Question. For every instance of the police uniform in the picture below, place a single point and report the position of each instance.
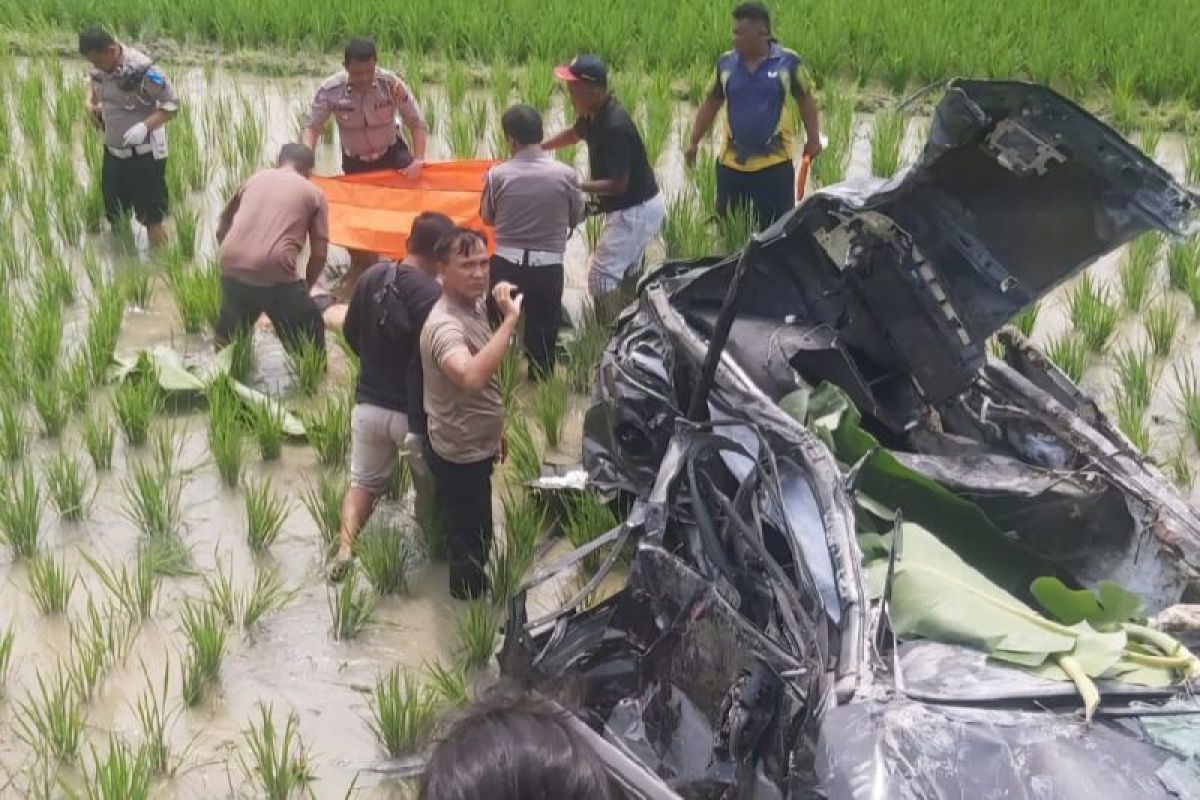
(367, 120)
(133, 178)
(755, 163)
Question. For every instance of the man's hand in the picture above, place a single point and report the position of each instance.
(508, 304)
(813, 147)
(413, 170)
(689, 155)
(136, 134)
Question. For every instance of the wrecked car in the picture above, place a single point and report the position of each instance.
(788, 420)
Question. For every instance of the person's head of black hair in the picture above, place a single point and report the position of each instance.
(427, 229)
(511, 748)
(94, 39)
(523, 125)
(756, 12)
(457, 241)
(359, 50)
(299, 157)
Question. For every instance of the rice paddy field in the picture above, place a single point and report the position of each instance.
(165, 626)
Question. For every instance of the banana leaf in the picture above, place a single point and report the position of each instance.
(1105, 609)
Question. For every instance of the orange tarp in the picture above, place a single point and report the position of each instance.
(374, 211)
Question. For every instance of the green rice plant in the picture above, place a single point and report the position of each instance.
(328, 429)
(104, 328)
(135, 591)
(220, 593)
(838, 124)
(1187, 386)
(201, 666)
(122, 774)
(704, 177)
(386, 556)
(56, 281)
(225, 431)
(278, 761)
(403, 714)
(156, 721)
(98, 439)
(1191, 157)
(186, 223)
(50, 585)
(6, 647)
(456, 83)
(524, 523)
(323, 500)
(153, 501)
(508, 375)
(350, 607)
(93, 270)
(168, 556)
(51, 720)
(241, 364)
(308, 363)
(265, 595)
(1180, 469)
(465, 128)
(166, 449)
(887, 136)
(1183, 261)
(196, 290)
(76, 383)
(137, 283)
(685, 233)
(550, 407)
(478, 627)
(1137, 271)
(593, 226)
(1162, 323)
(51, 407)
(90, 658)
(42, 320)
(1131, 419)
(266, 512)
(506, 569)
(500, 83)
(1151, 135)
(1026, 319)
(67, 485)
(1193, 293)
(449, 683)
(39, 220)
(402, 480)
(266, 426)
(537, 85)
(1135, 371)
(108, 631)
(524, 458)
(735, 227)
(135, 402)
(567, 154)
(660, 112)
(14, 436)
(1092, 313)
(584, 349)
(588, 517)
(21, 513)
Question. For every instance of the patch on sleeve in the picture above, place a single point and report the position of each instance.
(154, 76)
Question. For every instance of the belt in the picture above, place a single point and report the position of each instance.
(129, 152)
(529, 258)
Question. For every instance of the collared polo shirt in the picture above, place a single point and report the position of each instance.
(366, 120)
(134, 90)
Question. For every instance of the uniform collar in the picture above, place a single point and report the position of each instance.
(531, 152)
(774, 51)
(374, 82)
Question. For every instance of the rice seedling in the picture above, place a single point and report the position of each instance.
(1162, 323)
(1151, 135)
(241, 364)
(1187, 386)
(657, 132)
(505, 571)
(401, 480)
(550, 407)
(537, 85)
(323, 500)
(104, 328)
(1131, 419)
(456, 83)
(90, 658)
(265, 514)
(196, 291)
(584, 348)
(278, 761)
(1137, 271)
(593, 226)
(685, 232)
(1092, 314)
(67, 485)
(1026, 319)
(21, 513)
(110, 632)
(166, 449)
(137, 283)
(465, 127)
(201, 666)
(350, 607)
(1183, 261)
(56, 281)
(403, 713)
(735, 227)
(76, 383)
(328, 429)
(1180, 469)
(50, 585)
(51, 719)
(225, 431)
(386, 556)
(588, 517)
(265, 595)
(567, 154)
(186, 223)
(509, 377)
(39, 219)
(6, 647)
(135, 402)
(1191, 157)
(524, 458)
(51, 407)
(500, 85)
(42, 321)
(266, 426)
(153, 501)
(219, 592)
(478, 627)
(838, 124)
(886, 138)
(1136, 375)
(136, 591)
(122, 774)
(449, 683)
(524, 523)
(308, 363)
(98, 439)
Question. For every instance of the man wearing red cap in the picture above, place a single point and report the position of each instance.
(622, 180)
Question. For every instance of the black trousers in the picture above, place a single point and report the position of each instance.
(134, 186)
(289, 306)
(395, 157)
(464, 495)
(541, 309)
(771, 192)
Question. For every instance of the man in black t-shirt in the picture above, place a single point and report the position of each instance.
(383, 328)
(621, 179)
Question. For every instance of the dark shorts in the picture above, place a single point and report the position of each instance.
(395, 157)
(288, 306)
(771, 192)
(134, 186)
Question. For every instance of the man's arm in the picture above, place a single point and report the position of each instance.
(803, 87)
(227, 214)
(318, 242)
(564, 138)
(574, 201)
(487, 202)
(472, 373)
(412, 117)
(618, 157)
(158, 119)
(318, 116)
(705, 115)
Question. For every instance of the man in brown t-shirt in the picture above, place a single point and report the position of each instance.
(460, 355)
(262, 233)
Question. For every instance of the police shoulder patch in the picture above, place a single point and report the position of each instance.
(154, 75)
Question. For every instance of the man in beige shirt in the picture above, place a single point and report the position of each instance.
(460, 355)
(262, 232)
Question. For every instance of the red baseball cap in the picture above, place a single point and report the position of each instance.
(586, 68)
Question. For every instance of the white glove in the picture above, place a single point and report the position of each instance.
(136, 134)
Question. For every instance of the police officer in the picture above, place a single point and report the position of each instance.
(364, 101)
(130, 100)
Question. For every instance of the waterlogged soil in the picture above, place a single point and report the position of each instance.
(289, 660)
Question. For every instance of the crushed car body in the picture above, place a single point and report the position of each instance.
(745, 654)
